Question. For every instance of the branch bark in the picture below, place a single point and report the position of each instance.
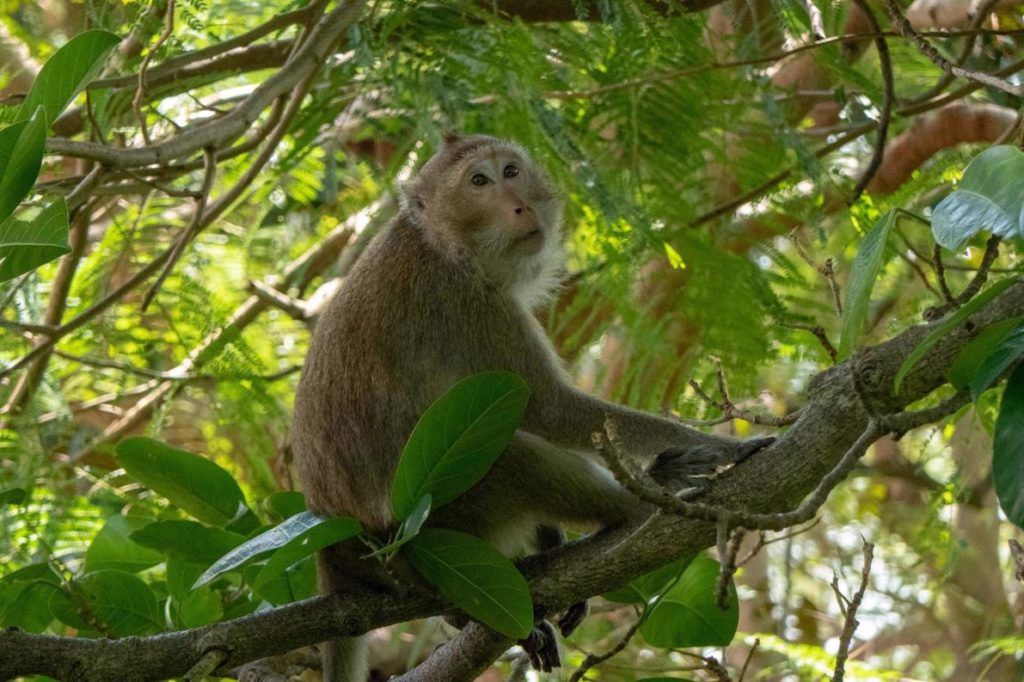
(841, 401)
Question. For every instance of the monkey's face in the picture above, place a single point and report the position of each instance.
(485, 197)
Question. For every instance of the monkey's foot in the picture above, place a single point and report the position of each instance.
(572, 617)
(692, 469)
(542, 647)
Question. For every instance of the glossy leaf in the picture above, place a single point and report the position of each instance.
(641, 590)
(457, 439)
(475, 577)
(944, 327)
(863, 274)
(187, 540)
(122, 601)
(27, 244)
(989, 197)
(197, 485)
(307, 543)
(1007, 351)
(965, 366)
(113, 548)
(1008, 449)
(67, 72)
(269, 541)
(21, 156)
(409, 528)
(687, 616)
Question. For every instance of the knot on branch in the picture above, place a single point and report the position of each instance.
(353, 625)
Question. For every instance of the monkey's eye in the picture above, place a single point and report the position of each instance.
(479, 179)
(511, 171)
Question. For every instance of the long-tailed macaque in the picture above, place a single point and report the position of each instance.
(447, 290)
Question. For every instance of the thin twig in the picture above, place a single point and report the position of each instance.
(596, 659)
(819, 333)
(888, 95)
(141, 84)
(206, 665)
(849, 609)
(972, 288)
(907, 29)
(940, 275)
(728, 566)
(195, 224)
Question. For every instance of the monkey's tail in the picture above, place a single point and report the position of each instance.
(345, 659)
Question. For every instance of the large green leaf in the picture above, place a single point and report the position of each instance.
(297, 582)
(949, 323)
(457, 439)
(21, 156)
(12, 496)
(640, 590)
(989, 197)
(25, 245)
(1007, 351)
(194, 483)
(324, 534)
(113, 548)
(409, 528)
(294, 528)
(25, 605)
(687, 615)
(67, 72)
(122, 601)
(1008, 449)
(965, 367)
(474, 576)
(866, 267)
(199, 608)
(187, 541)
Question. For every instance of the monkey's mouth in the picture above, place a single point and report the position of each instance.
(532, 237)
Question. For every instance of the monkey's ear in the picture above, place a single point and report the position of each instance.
(412, 200)
(451, 138)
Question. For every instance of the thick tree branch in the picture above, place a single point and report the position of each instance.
(840, 403)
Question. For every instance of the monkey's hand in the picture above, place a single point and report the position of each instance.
(542, 647)
(691, 470)
(572, 617)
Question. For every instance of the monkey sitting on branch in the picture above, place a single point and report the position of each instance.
(446, 291)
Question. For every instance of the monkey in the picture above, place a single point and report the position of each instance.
(448, 289)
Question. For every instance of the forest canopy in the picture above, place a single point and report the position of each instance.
(791, 218)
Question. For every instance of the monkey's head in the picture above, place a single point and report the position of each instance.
(484, 199)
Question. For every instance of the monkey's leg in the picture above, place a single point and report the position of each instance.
(344, 659)
(549, 537)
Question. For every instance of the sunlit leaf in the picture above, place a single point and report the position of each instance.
(27, 244)
(863, 275)
(687, 616)
(989, 197)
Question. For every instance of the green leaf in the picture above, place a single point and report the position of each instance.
(25, 605)
(67, 72)
(122, 602)
(863, 274)
(947, 324)
(13, 496)
(298, 582)
(113, 548)
(21, 156)
(1008, 449)
(409, 528)
(687, 615)
(475, 577)
(275, 538)
(641, 590)
(197, 485)
(1006, 352)
(965, 366)
(285, 504)
(25, 245)
(457, 439)
(307, 543)
(187, 540)
(199, 608)
(990, 197)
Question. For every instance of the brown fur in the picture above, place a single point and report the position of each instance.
(444, 292)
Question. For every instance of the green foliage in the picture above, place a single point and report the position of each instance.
(1008, 456)
(990, 197)
(687, 616)
(862, 278)
(25, 245)
(475, 577)
(197, 485)
(457, 439)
